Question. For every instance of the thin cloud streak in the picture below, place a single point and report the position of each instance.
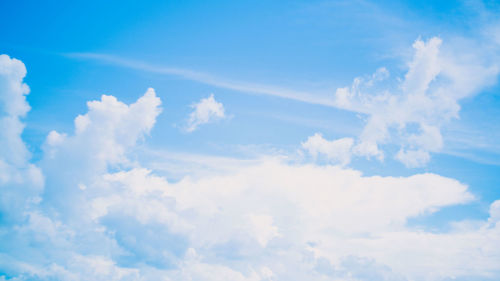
(240, 86)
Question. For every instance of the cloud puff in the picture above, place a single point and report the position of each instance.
(103, 216)
(205, 111)
(411, 110)
(337, 151)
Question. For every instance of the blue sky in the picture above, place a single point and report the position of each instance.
(249, 140)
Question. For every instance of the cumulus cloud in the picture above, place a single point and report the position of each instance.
(108, 129)
(101, 139)
(294, 219)
(13, 107)
(19, 179)
(205, 111)
(102, 216)
(410, 111)
(337, 151)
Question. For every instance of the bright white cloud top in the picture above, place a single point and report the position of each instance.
(89, 210)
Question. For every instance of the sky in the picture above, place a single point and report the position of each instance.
(250, 140)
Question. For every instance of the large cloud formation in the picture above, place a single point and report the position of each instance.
(409, 111)
(97, 215)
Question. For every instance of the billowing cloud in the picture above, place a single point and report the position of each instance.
(103, 216)
(287, 221)
(19, 179)
(410, 111)
(108, 129)
(205, 111)
(101, 140)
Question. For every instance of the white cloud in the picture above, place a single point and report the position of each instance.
(410, 111)
(101, 140)
(193, 268)
(13, 107)
(326, 196)
(413, 158)
(20, 181)
(205, 78)
(306, 211)
(107, 131)
(263, 228)
(495, 211)
(105, 217)
(336, 151)
(205, 111)
(439, 76)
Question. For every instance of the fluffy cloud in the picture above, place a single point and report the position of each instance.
(102, 216)
(108, 129)
(410, 111)
(19, 179)
(101, 140)
(337, 151)
(205, 111)
(299, 221)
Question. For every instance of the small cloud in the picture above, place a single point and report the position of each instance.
(205, 111)
(335, 151)
(413, 158)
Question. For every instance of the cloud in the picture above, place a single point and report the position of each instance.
(108, 129)
(410, 111)
(495, 211)
(263, 228)
(407, 111)
(264, 211)
(335, 151)
(19, 179)
(13, 108)
(205, 78)
(101, 140)
(205, 111)
(103, 216)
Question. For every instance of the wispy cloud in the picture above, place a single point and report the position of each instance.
(205, 78)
